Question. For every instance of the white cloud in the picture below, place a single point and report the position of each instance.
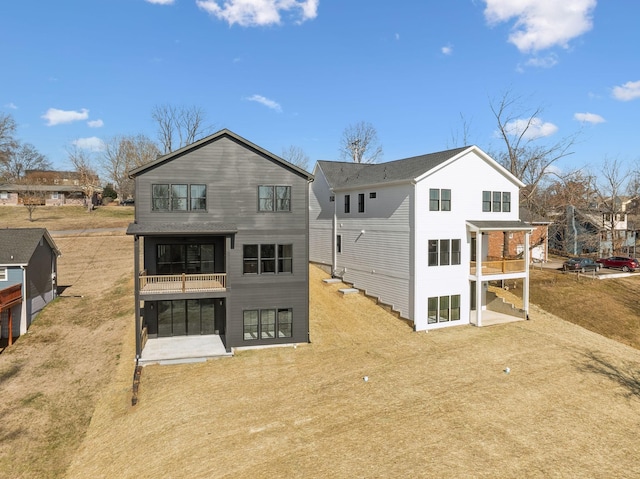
(95, 123)
(542, 24)
(266, 102)
(57, 117)
(589, 118)
(543, 62)
(11, 105)
(161, 2)
(628, 91)
(447, 50)
(250, 13)
(92, 143)
(530, 130)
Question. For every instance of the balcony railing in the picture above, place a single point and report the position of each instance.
(182, 283)
(500, 266)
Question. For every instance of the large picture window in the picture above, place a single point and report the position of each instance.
(178, 197)
(267, 323)
(274, 198)
(267, 258)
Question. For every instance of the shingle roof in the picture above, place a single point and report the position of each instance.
(343, 175)
(181, 228)
(18, 244)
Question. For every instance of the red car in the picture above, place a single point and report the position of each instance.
(620, 262)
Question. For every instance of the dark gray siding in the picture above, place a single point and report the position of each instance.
(232, 173)
(39, 279)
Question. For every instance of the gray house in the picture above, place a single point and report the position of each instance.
(28, 267)
(222, 226)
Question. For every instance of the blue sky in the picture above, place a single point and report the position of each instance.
(286, 73)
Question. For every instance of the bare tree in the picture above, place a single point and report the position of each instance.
(612, 186)
(87, 176)
(24, 157)
(296, 155)
(8, 141)
(524, 154)
(360, 144)
(121, 155)
(178, 126)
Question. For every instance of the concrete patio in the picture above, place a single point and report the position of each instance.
(182, 349)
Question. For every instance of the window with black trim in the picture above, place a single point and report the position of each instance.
(274, 198)
(178, 197)
(444, 252)
(269, 323)
(496, 201)
(439, 199)
(347, 203)
(267, 258)
(360, 202)
(443, 309)
(373, 194)
(338, 243)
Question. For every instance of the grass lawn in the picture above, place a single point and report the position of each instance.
(66, 217)
(436, 404)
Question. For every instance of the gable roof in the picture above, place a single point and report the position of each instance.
(342, 175)
(18, 244)
(224, 133)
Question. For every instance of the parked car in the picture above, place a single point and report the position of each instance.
(620, 262)
(581, 264)
(127, 202)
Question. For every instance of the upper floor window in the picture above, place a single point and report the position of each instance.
(274, 198)
(439, 200)
(3, 274)
(347, 203)
(496, 201)
(360, 202)
(178, 197)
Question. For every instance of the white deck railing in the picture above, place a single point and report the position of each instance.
(181, 283)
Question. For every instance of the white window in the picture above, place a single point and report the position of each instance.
(55, 195)
(4, 195)
(3, 274)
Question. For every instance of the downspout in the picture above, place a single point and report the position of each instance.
(136, 286)
(334, 240)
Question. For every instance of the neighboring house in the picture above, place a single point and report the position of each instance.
(592, 232)
(412, 232)
(28, 268)
(48, 188)
(223, 225)
(511, 244)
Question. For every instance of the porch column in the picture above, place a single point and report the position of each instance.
(136, 294)
(525, 288)
(479, 241)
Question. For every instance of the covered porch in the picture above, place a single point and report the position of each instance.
(499, 251)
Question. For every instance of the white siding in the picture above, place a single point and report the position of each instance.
(467, 178)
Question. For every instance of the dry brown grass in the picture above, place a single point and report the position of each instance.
(66, 217)
(437, 404)
(52, 377)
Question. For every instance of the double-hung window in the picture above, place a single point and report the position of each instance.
(439, 200)
(347, 203)
(360, 202)
(443, 252)
(3, 274)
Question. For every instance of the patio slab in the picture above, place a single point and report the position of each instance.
(182, 349)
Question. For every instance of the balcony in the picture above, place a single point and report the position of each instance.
(500, 266)
(182, 283)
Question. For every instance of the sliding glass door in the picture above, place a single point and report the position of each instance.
(187, 317)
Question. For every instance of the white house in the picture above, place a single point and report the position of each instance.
(409, 231)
